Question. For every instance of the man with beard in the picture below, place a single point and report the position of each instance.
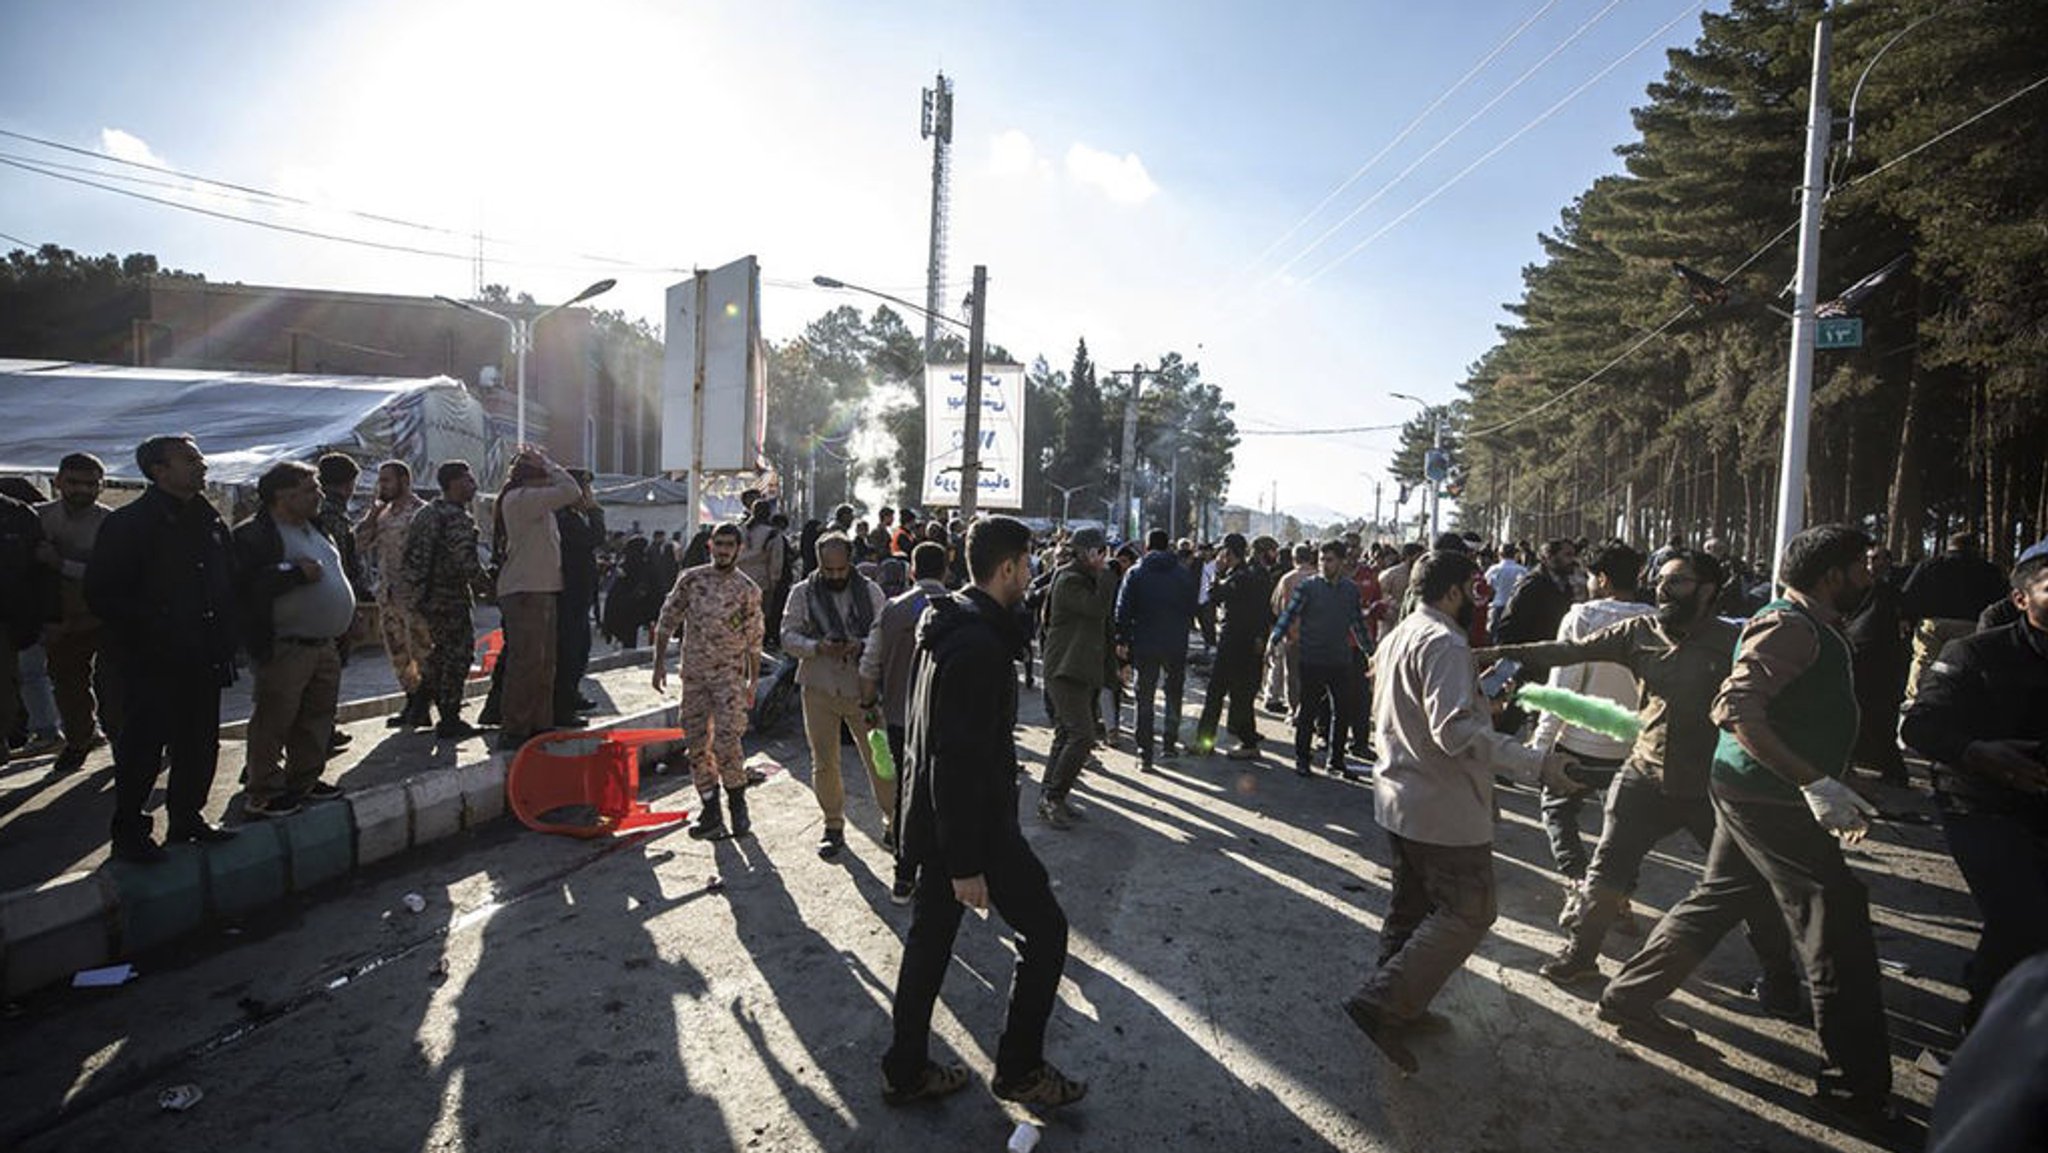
(81, 665)
(715, 612)
(825, 627)
(1434, 797)
(381, 535)
(1787, 714)
(1679, 656)
(1240, 590)
(1324, 623)
(1539, 603)
(441, 571)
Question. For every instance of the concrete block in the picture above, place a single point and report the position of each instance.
(53, 930)
(158, 903)
(383, 821)
(436, 806)
(319, 845)
(247, 873)
(483, 791)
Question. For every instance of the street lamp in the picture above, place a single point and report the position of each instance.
(1067, 498)
(970, 432)
(520, 331)
(1437, 444)
(1126, 458)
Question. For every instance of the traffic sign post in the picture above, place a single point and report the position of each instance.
(1838, 332)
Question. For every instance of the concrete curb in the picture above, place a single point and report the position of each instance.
(86, 920)
(391, 702)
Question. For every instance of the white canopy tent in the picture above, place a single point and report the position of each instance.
(244, 421)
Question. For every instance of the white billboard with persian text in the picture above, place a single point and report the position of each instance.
(1002, 435)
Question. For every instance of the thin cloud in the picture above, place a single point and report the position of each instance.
(128, 146)
(1012, 153)
(1121, 178)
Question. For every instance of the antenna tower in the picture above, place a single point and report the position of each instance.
(938, 128)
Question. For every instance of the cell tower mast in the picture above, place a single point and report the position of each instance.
(938, 128)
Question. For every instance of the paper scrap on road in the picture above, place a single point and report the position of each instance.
(103, 978)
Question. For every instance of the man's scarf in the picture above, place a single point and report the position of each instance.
(824, 613)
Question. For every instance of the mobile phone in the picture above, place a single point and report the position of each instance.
(1497, 679)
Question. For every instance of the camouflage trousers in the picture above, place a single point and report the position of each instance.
(713, 719)
(446, 667)
(407, 640)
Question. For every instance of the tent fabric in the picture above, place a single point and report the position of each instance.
(243, 421)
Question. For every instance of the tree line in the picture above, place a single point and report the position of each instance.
(1624, 395)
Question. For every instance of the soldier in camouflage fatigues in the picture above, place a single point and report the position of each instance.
(380, 536)
(718, 611)
(440, 568)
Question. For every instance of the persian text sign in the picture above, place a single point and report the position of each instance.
(1001, 462)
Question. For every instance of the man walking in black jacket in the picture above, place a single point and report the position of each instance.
(1243, 591)
(960, 825)
(162, 581)
(1979, 717)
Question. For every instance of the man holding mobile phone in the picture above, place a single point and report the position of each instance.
(1433, 796)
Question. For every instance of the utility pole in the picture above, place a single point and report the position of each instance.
(937, 127)
(1375, 508)
(1799, 377)
(970, 431)
(1127, 459)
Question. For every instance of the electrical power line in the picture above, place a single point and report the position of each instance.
(1400, 136)
(1773, 242)
(1453, 134)
(49, 169)
(12, 239)
(1497, 149)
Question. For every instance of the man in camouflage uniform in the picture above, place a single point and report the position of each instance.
(440, 569)
(380, 536)
(718, 610)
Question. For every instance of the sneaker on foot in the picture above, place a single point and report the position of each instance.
(1383, 1031)
(833, 841)
(1243, 753)
(1055, 813)
(1643, 1023)
(935, 1081)
(68, 761)
(456, 730)
(1044, 1085)
(265, 808)
(709, 830)
(1569, 968)
(901, 892)
(321, 791)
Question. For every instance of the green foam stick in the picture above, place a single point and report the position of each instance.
(1594, 714)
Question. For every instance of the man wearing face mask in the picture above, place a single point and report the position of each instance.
(825, 626)
(1679, 656)
(1787, 714)
(1433, 795)
(714, 611)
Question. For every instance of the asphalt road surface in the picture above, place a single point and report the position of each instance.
(572, 995)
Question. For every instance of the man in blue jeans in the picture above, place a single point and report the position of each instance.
(1155, 608)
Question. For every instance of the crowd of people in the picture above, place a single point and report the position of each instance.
(1753, 705)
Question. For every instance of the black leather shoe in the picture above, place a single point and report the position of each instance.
(141, 852)
(201, 834)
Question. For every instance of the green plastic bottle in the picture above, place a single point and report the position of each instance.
(878, 744)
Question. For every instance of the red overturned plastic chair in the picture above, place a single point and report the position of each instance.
(585, 784)
(489, 647)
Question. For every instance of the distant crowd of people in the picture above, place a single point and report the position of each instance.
(1743, 701)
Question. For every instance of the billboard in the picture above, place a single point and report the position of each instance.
(1002, 435)
(726, 330)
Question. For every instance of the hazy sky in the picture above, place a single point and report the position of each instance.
(1147, 175)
